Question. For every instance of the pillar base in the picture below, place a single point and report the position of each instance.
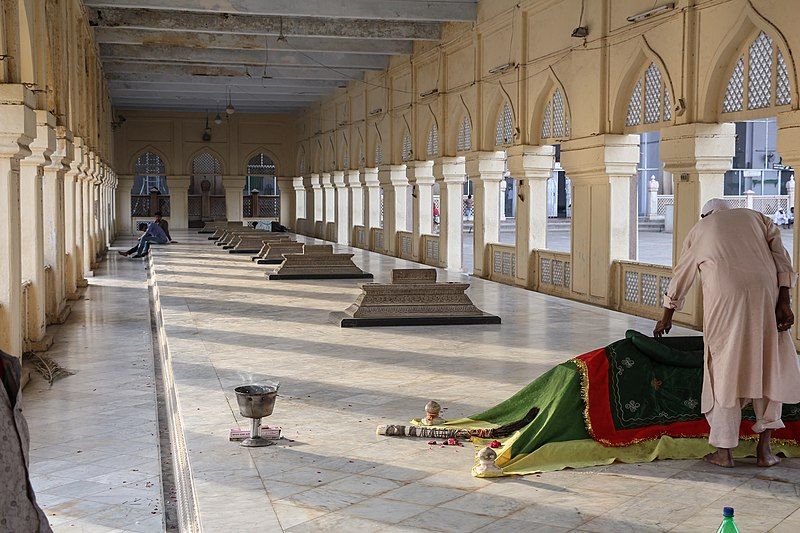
(42, 345)
(62, 315)
(83, 282)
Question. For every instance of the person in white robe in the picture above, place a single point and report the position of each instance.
(749, 356)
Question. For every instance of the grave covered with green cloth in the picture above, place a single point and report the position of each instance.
(636, 400)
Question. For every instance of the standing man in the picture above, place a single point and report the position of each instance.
(746, 275)
(18, 508)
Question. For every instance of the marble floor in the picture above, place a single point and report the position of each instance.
(95, 461)
(227, 325)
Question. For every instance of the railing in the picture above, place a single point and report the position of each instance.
(360, 237)
(430, 250)
(767, 205)
(330, 231)
(639, 287)
(404, 244)
(260, 206)
(195, 206)
(552, 272)
(148, 205)
(376, 240)
(503, 263)
(219, 210)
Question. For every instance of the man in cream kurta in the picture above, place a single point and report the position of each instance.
(746, 274)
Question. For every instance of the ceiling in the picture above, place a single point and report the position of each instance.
(188, 55)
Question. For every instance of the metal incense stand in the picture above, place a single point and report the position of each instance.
(256, 402)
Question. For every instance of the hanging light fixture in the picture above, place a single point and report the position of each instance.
(207, 130)
(218, 120)
(264, 75)
(230, 110)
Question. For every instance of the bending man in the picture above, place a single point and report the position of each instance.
(749, 355)
(152, 233)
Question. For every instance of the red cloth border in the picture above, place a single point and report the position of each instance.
(601, 425)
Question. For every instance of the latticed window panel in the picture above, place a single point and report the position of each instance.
(545, 272)
(504, 129)
(634, 117)
(650, 290)
(664, 284)
(652, 95)
(759, 73)
(558, 273)
(632, 287)
(433, 141)
(783, 91)
(405, 152)
(734, 92)
(558, 113)
(260, 165)
(567, 274)
(301, 167)
(667, 104)
(547, 121)
(378, 154)
(362, 158)
(464, 141)
(346, 158)
(206, 165)
(149, 164)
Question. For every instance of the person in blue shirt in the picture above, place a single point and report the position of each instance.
(151, 233)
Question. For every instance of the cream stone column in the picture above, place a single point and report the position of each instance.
(532, 166)
(394, 183)
(89, 254)
(31, 171)
(318, 204)
(450, 173)
(342, 203)
(71, 193)
(286, 199)
(502, 206)
(485, 169)
(123, 204)
(299, 202)
(17, 130)
(179, 201)
(420, 177)
(356, 193)
(601, 169)
(55, 225)
(788, 146)
(234, 187)
(697, 156)
(372, 198)
(328, 199)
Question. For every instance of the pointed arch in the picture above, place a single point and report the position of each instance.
(464, 135)
(268, 153)
(552, 120)
(153, 150)
(752, 40)
(206, 150)
(406, 150)
(645, 96)
(344, 151)
(504, 125)
(432, 143)
(301, 161)
(149, 170)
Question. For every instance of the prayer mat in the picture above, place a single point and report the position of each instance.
(636, 400)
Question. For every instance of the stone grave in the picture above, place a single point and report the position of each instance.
(272, 251)
(413, 298)
(318, 262)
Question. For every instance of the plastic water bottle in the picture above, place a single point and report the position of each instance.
(727, 525)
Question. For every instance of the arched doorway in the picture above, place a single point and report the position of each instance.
(206, 195)
(260, 188)
(150, 193)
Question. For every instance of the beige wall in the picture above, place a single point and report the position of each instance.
(177, 138)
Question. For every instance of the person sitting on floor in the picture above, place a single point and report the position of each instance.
(151, 233)
(164, 225)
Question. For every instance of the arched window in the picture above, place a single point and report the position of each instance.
(405, 152)
(464, 140)
(555, 122)
(149, 172)
(345, 157)
(378, 155)
(504, 130)
(301, 163)
(650, 101)
(260, 175)
(206, 167)
(759, 79)
(433, 141)
(362, 157)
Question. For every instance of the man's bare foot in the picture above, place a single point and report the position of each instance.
(764, 455)
(721, 457)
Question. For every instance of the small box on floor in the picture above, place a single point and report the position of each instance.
(237, 434)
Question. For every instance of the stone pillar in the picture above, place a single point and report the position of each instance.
(697, 156)
(31, 171)
(286, 199)
(502, 207)
(343, 231)
(123, 204)
(80, 216)
(788, 145)
(394, 183)
(55, 226)
(652, 198)
(372, 198)
(450, 173)
(356, 215)
(485, 169)
(328, 199)
(790, 185)
(318, 204)
(748, 198)
(299, 201)
(532, 166)
(70, 225)
(601, 169)
(420, 177)
(87, 184)
(17, 130)
(233, 185)
(179, 201)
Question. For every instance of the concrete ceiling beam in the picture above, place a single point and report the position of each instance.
(233, 74)
(430, 10)
(236, 96)
(277, 58)
(194, 109)
(173, 78)
(217, 88)
(229, 41)
(154, 19)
